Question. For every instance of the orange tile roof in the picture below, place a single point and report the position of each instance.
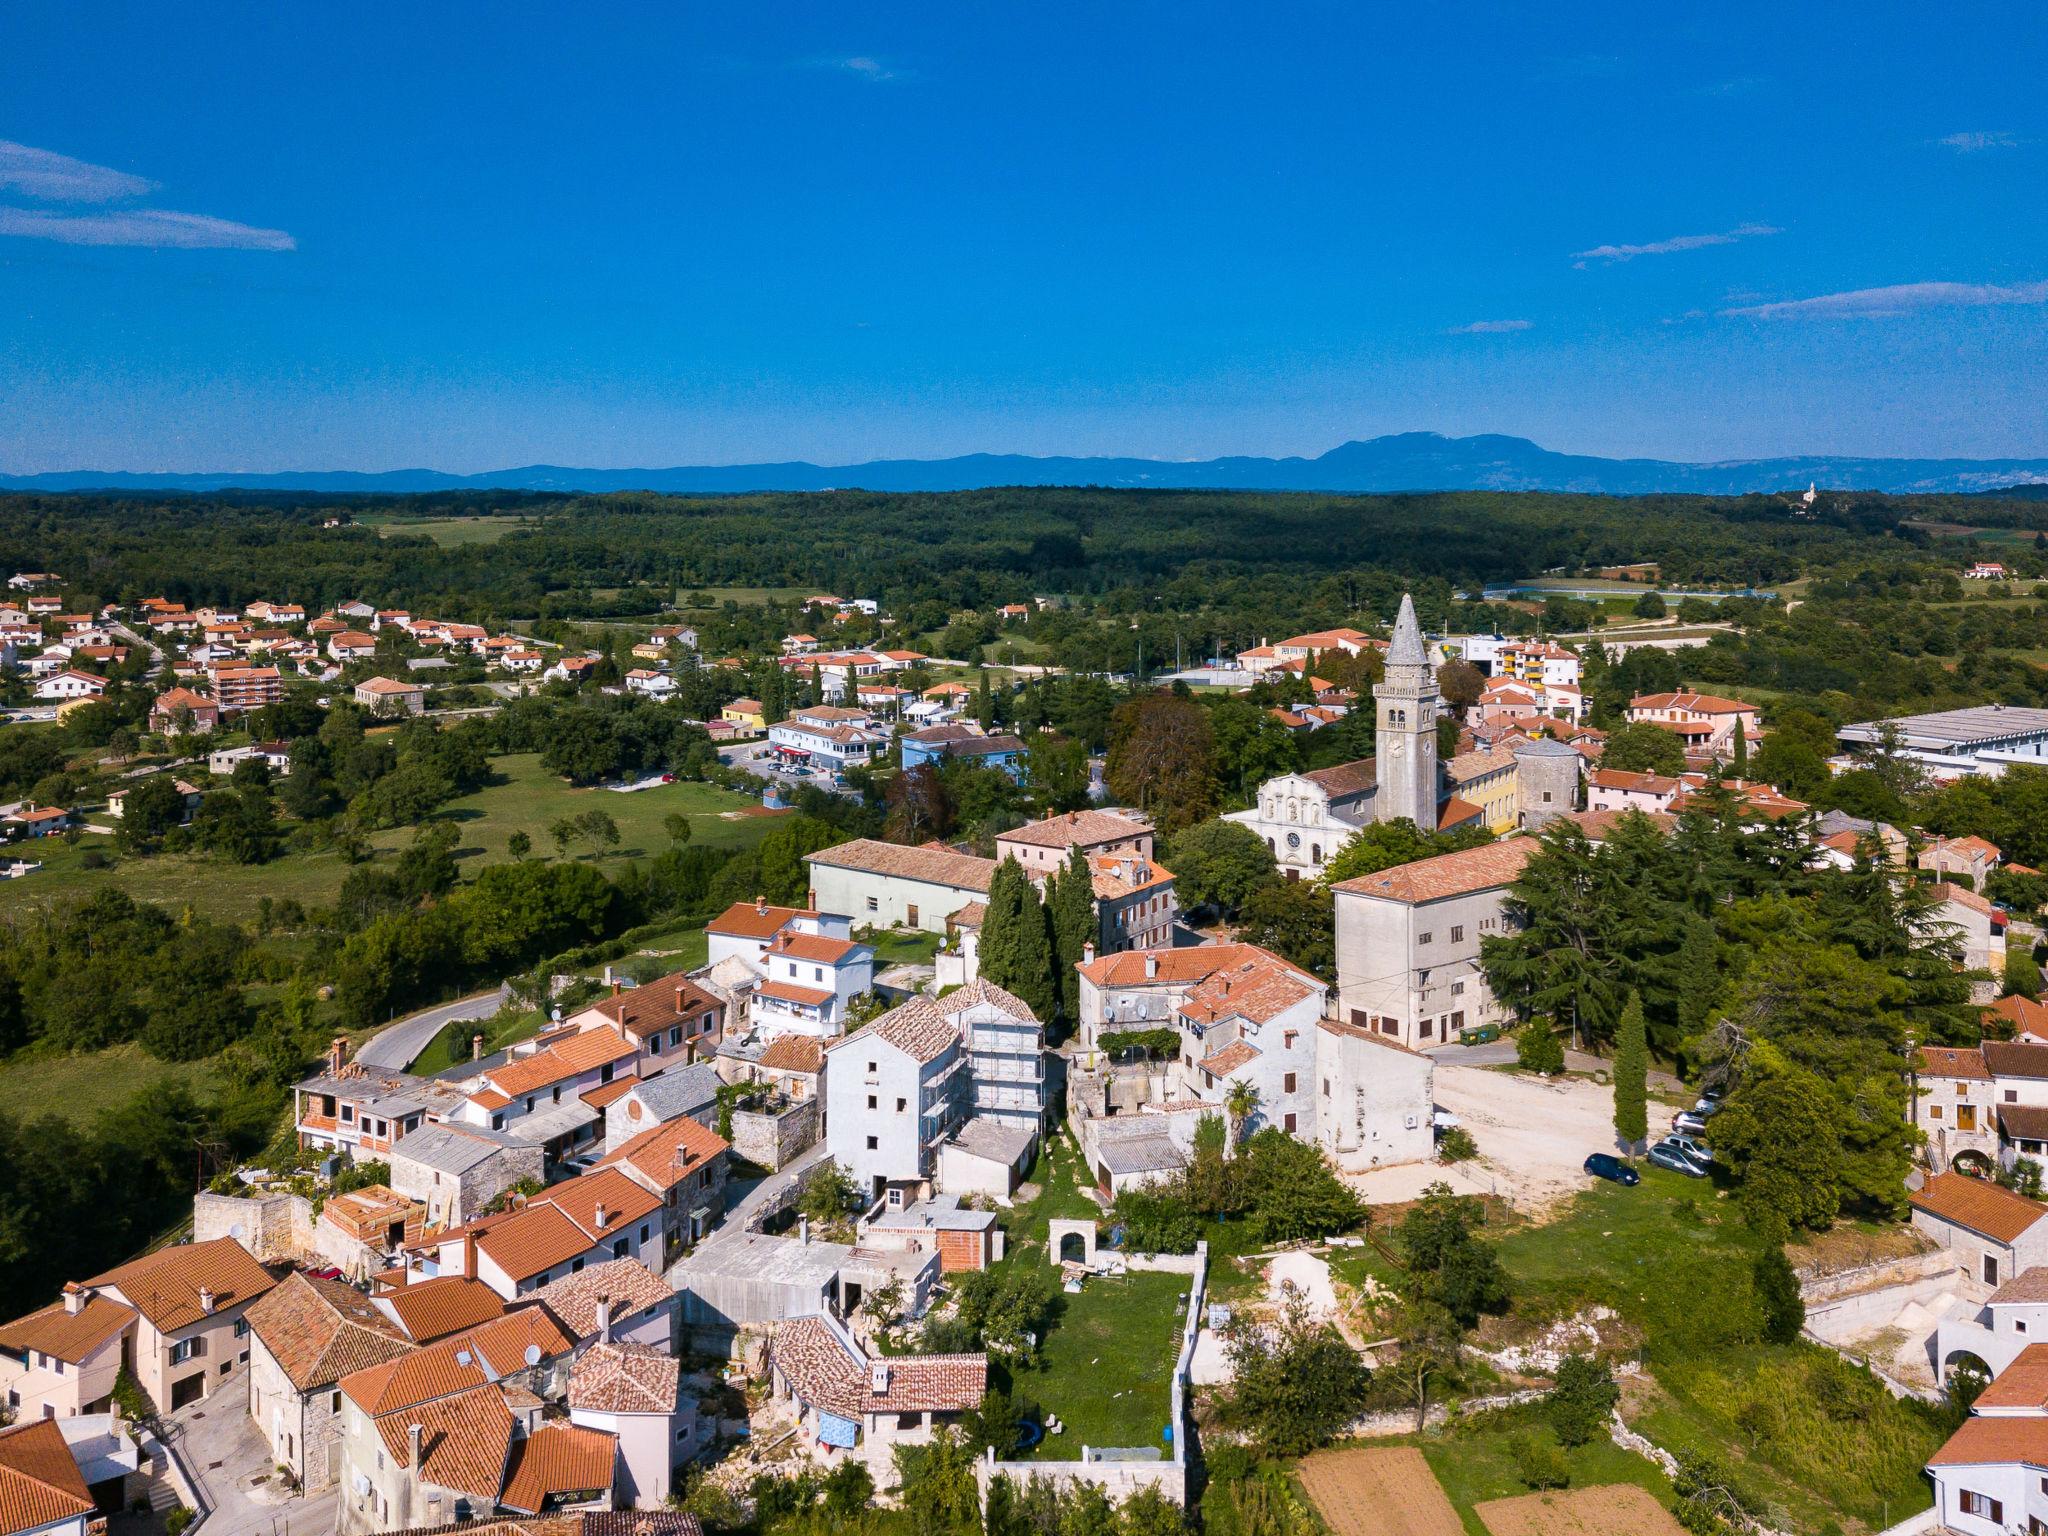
(666, 1154)
(1259, 988)
(621, 1200)
(659, 1005)
(625, 1378)
(809, 997)
(465, 1444)
(1082, 829)
(1226, 1061)
(630, 1286)
(1117, 875)
(826, 1376)
(1949, 1061)
(1979, 1205)
(1175, 966)
(935, 866)
(67, 1335)
(319, 1331)
(2025, 1015)
(531, 1240)
(754, 920)
(580, 1053)
(604, 1095)
(432, 1309)
(793, 1053)
(1982, 1442)
(39, 1480)
(812, 947)
(164, 1286)
(916, 1028)
(1447, 874)
(2022, 1384)
(559, 1461)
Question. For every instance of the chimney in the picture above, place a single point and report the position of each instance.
(878, 1378)
(75, 1297)
(469, 1254)
(206, 1301)
(476, 1046)
(1151, 965)
(600, 1215)
(803, 1229)
(413, 1434)
(604, 1319)
(760, 906)
(337, 1052)
(1088, 952)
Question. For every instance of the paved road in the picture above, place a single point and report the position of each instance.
(394, 1047)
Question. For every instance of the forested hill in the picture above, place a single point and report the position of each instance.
(1406, 461)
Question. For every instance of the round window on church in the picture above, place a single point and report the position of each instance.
(1293, 841)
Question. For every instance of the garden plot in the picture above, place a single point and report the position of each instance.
(1378, 1491)
(1620, 1509)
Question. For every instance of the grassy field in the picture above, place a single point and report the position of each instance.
(79, 1087)
(1671, 1258)
(448, 532)
(1106, 1366)
(527, 799)
(713, 597)
(453, 1043)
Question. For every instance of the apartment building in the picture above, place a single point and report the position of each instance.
(239, 688)
(893, 1093)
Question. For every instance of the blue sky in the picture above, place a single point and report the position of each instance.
(470, 236)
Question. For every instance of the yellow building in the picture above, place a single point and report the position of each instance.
(1487, 779)
(744, 714)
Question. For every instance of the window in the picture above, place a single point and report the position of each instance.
(497, 1122)
(1287, 1124)
(529, 1103)
(1983, 1507)
(675, 1036)
(1428, 1028)
(1424, 938)
(1934, 1111)
(1326, 1087)
(334, 1402)
(1991, 1269)
(902, 1105)
(872, 1069)
(872, 1102)
(2012, 1095)
(1287, 1086)
(184, 1350)
(874, 1144)
(643, 1231)
(872, 904)
(2019, 1326)
(654, 1045)
(241, 1327)
(619, 1249)
(1457, 989)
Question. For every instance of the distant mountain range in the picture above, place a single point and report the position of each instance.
(1406, 461)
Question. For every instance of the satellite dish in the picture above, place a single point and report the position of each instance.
(462, 1357)
(237, 1232)
(533, 1354)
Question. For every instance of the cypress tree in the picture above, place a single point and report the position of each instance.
(1777, 1287)
(1016, 941)
(1070, 899)
(1741, 750)
(1631, 1077)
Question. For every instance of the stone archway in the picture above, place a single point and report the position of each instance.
(1068, 1241)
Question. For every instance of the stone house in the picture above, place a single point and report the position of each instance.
(684, 1164)
(1992, 1233)
(454, 1170)
(306, 1335)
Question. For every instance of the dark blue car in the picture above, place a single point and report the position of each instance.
(1604, 1165)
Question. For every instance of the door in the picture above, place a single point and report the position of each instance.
(190, 1390)
(911, 917)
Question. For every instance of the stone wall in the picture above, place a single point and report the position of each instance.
(275, 1227)
(774, 1139)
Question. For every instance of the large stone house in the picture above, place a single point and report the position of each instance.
(305, 1336)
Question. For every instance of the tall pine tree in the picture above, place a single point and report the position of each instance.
(1631, 1077)
(1016, 941)
(1070, 901)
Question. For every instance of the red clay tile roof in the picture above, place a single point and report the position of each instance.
(754, 920)
(164, 1286)
(825, 1376)
(1226, 1061)
(1175, 966)
(584, 1052)
(666, 1154)
(2025, 1015)
(1258, 988)
(625, 1378)
(630, 1286)
(2012, 1058)
(1346, 779)
(604, 1095)
(2029, 1285)
(1999, 1441)
(319, 1331)
(1483, 868)
(432, 1309)
(793, 1053)
(532, 1240)
(1077, 829)
(659, 1005)
(559, 1461)
(466, 1443)
(812, 947)
(2023, 1122)
(67, 1335)
(39, 1480)
(1952, 1061)
(916, 1028)
(788, 992)
(1979, 1205)
(935, 866)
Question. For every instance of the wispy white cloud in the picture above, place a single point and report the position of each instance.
(154, 227)
(1976, 143)
(58, 178)
(1898, 299)
(1489, 327)
(1613, 253)
(862, 66)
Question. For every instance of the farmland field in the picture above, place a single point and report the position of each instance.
(1381, 1490)
(1618, 1510)
(448, 532)
(78, 1087)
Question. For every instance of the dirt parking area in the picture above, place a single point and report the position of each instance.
(1383, 1490)
(1533, 1135)
(1618, 1509)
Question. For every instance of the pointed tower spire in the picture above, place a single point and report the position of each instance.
(1405, 649)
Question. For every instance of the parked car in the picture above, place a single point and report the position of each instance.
(1605, 1165)
(1698, 1151)
(1690, 1123)
(1664, 1155)
(1709, 1103)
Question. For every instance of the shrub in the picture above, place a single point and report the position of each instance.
(1777, 1287)
(1539, 1461)
(1578, 1405)
(1538, 1050)
(1456, 1145)
(176, 1518)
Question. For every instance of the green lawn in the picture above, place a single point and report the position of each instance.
(1106, 1367)
(453, 1043)
(77, 1088)
(528, 799)
(897, 947)
(448, 532)
(1674, 1260)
